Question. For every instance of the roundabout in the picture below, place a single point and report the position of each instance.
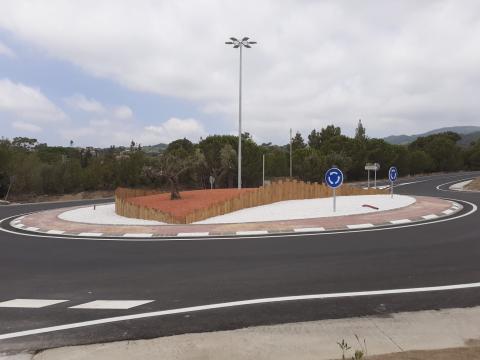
(56, 292)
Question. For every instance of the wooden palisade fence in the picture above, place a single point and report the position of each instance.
(278, 191)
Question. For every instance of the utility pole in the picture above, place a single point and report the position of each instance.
(290, 152)
(240, 44)
(263, 170)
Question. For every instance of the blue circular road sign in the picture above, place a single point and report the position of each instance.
(392, 174)
(334, 178)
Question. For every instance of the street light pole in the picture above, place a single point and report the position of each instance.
(240, 44)
(290, 152)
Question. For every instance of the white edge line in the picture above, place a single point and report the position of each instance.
(193, 234)
(360, 226)
(235, 304)
(430, 216)
(140, 235)
(401, 221)
(309, 229)
(167, 239)
(252, 232)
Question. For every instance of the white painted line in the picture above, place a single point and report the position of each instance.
(236, 304)
(31, 228)
(58, 232)
(309, 229)
(401, 221)
(448, 211)
(429, 217)
(111, 304)
(21, 217)
(90, 234)
(252, 232)
(139, 235)
(193, 234)
(359, 226)
(29, 303)
(19, 226)
(14, 222)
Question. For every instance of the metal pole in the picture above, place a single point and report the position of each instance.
(334, 200)
(263, 170)
(8, 190)
(290, 152)
(375, 179)
(391, 188)
(368, 181)
(240, 124)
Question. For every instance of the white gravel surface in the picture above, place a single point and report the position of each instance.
(313, 208)
(283, 210)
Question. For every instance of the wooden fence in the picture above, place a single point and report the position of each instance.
(278, 191)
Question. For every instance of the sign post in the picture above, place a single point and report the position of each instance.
(334, 179)
(392, 176)
(372, 167)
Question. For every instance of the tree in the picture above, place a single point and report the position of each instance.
(297, 142)
(360, 133)
(329, 132)
(171, 165)
(314, 140)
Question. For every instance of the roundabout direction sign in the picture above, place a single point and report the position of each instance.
(334, 179)
(392, 176)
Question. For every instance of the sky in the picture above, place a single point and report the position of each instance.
(107, 72)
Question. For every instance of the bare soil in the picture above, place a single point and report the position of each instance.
(463, 353)
(190, 201)
(474, 185)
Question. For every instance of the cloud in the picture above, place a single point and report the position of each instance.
(25, 126)
(402, 66)
(25, 102)
(80, 102)
(6, 51)
(105, 132)
(123, 112)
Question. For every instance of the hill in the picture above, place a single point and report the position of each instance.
(154, 149)
(468, 133)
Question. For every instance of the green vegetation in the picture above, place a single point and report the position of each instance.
(40, 169)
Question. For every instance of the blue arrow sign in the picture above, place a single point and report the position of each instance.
(334, 178)
(392, 174)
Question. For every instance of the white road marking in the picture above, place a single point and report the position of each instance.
(140, 235)
(448, 211)
(32, 228)
(252, 232)
(111, 304)
(29, 303)
(90, 234)
(18, 226)
(236, 304)
(401, 221)
(359, 226)
(429, 217)
(193, 234)
(309, 229)
(473, 210)
(58, 232)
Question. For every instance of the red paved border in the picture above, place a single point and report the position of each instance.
(425, 208)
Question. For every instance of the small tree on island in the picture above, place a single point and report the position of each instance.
(172, 163)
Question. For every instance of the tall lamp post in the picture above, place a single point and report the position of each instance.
(239, 44)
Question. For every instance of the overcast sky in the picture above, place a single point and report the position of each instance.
(108, 71)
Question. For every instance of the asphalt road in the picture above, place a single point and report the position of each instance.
(177, 274)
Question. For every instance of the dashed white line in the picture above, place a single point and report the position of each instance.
(359, 226)
(401, 221)
(32, 228)
(309, 229)
(111, 304)
(252, 232)
(448, 211)
(429, 217)
(29, 303)
(57, 232)
(236, 304)
(19, 226)
(139, 235)
(193, 234)
(90, 234)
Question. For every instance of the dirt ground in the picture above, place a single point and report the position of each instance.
(463, 353)
(67, 197)
(474, 185)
